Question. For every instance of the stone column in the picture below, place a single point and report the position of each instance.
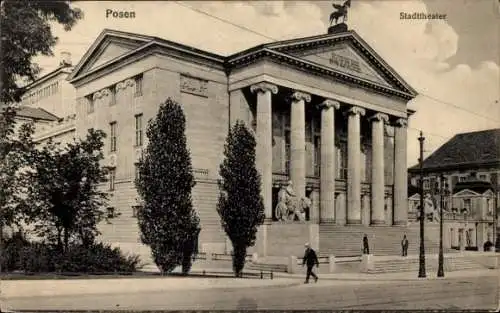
(298, 142)
(327, 169)
(264, 138)
(377, 180)
(400, 195)
(353, 165)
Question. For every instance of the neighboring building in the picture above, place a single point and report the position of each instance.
(468, 215)
(52, 94)
(329, 114)
(470, 164)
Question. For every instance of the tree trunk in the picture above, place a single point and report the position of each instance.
(239, 255)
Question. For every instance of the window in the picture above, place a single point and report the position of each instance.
(426, 184)
(467, 204)
(112, 137)
(489, 206)
(483, 177)
(461, 178)
(112, 100)
(138, 85)
(138, 130)
(112, 178)
(90, 104)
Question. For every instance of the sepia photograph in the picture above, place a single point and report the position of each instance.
(249, 155)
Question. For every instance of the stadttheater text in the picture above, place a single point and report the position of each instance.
(421, 16)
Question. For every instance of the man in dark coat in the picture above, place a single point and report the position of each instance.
(310, 259)
(404, 246)
(366, 247)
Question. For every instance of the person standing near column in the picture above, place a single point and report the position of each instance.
(404, 246)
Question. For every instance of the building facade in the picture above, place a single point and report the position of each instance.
(51, 95)
(470, 165)
(328, 114)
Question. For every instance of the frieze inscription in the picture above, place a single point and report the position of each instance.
(344, 62)
(195, 86)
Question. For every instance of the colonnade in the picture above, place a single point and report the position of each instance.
(329, 108)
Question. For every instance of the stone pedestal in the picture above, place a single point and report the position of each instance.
(367, 263)
(314, 236)
(293, 267)
(261, 240)
(331, 264)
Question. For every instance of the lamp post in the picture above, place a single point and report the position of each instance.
(444, 192)
(421, 259)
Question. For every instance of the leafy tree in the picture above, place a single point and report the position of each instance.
(240, 205)
(167, 220)
(26, 33)
(64, 200)
(15, 148)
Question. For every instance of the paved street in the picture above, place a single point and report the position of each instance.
(480, 292)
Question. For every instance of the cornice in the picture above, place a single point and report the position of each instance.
(174, 50)
(457, 166)
(315, 68)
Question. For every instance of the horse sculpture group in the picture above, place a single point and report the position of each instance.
(341, 12)
(291, 207)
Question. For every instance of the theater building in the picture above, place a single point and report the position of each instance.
(328, 114)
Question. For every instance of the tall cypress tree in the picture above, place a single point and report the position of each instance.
(240, 205)
(165, 182)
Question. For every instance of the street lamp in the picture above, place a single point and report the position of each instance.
(444, 193)
(421, 258)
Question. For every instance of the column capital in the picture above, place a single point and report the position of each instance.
(329, 103)
(355, 110)
(299, 95)
(263, 87)
(379, 117)
(401, 122)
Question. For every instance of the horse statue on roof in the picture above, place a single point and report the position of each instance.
(341, 11)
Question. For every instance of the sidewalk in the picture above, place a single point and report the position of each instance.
(60, 287)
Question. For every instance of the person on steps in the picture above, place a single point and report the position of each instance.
(404, 246)
(366, 247)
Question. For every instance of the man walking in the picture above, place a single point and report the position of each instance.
(310, 259)
(404, 245)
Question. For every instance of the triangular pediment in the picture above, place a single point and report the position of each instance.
(110, 51)
(466, 193)
(346, 53)
(343, 58)
(488, 193)
(415, 197)
(108, 46)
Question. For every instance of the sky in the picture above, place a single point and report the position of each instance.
(452, 63)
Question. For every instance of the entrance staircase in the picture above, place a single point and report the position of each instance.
(452, 262)
(343, 241)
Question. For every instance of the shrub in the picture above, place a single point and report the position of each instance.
(22, 255)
